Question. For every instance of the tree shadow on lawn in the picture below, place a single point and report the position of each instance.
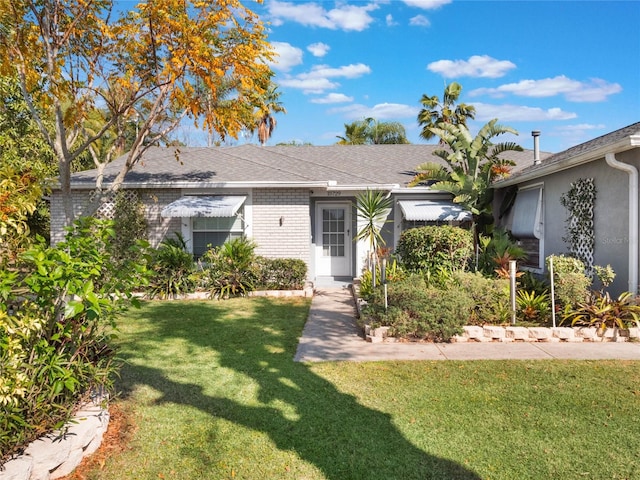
(330, 429)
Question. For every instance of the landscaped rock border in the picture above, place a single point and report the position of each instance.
(305, 292)
(490, 333)
(58, 454)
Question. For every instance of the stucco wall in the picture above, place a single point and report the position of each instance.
(611, 220)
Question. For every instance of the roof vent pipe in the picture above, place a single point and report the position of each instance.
(536, 147)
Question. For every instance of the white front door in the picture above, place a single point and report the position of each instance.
(333, 239)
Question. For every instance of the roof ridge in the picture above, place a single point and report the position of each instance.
(328, 167)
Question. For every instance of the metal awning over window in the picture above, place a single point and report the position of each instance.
(204, 206)
(527, 212)
(433, 211)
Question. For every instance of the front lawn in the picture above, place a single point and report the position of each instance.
(214, 393)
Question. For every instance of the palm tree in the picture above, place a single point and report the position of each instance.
(472, 163)
(372, 132)
(355, 133)
(435, 112)
(266, 122)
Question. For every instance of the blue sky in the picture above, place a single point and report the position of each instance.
(570, 69)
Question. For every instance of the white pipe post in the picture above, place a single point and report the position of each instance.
(512, 289)
(553, 293)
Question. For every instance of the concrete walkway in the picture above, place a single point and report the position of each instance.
(331, 334)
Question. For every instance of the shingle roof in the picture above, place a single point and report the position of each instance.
(344, 164)
(585, 148)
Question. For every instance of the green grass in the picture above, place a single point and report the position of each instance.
(215, 394)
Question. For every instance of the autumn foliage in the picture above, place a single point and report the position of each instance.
(94, 69)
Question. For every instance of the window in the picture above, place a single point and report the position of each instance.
(527, 226)
(213, 219)
(214, 231)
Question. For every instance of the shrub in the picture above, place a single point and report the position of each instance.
(280, 273)
(394, 273)
(570, 282)
(490, 297)
(431, 248)
(230, 270)
(496, 251)
(420, 312)
(172, 268)
(56, 317)
(130, 226)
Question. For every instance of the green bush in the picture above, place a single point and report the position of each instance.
(172, 269)
(490, 297)
(280, 273)
(57, 312)
(420, 312)
(435, 248)
(394, 273)
(230, 270)
(570, 282)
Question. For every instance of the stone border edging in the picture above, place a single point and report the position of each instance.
(58, 454)
(491, 333)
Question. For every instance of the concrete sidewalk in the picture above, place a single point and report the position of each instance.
(331, 334)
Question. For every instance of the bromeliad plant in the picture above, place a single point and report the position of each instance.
(602, 312)
(532, 306)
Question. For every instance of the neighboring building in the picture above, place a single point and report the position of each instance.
(293, 201)
(603, 176)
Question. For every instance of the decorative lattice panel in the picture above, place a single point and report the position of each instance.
(579, 202)
(107, 209)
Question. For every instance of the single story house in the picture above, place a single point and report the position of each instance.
(582, 201)
(293, 201)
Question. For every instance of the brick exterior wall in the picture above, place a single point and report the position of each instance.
(154, 201)
(292, 239)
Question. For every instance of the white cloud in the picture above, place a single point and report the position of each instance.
(427, 4)
(318, 79)
(319, 49)
(482, 66)
(347, 71)
(595, 90)
(390, 21)
(333, 98)
(520, 113)
(381, 111)
(343, 17)
(579, 128)
(309, 85)
(287, 56)
(420, 21)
